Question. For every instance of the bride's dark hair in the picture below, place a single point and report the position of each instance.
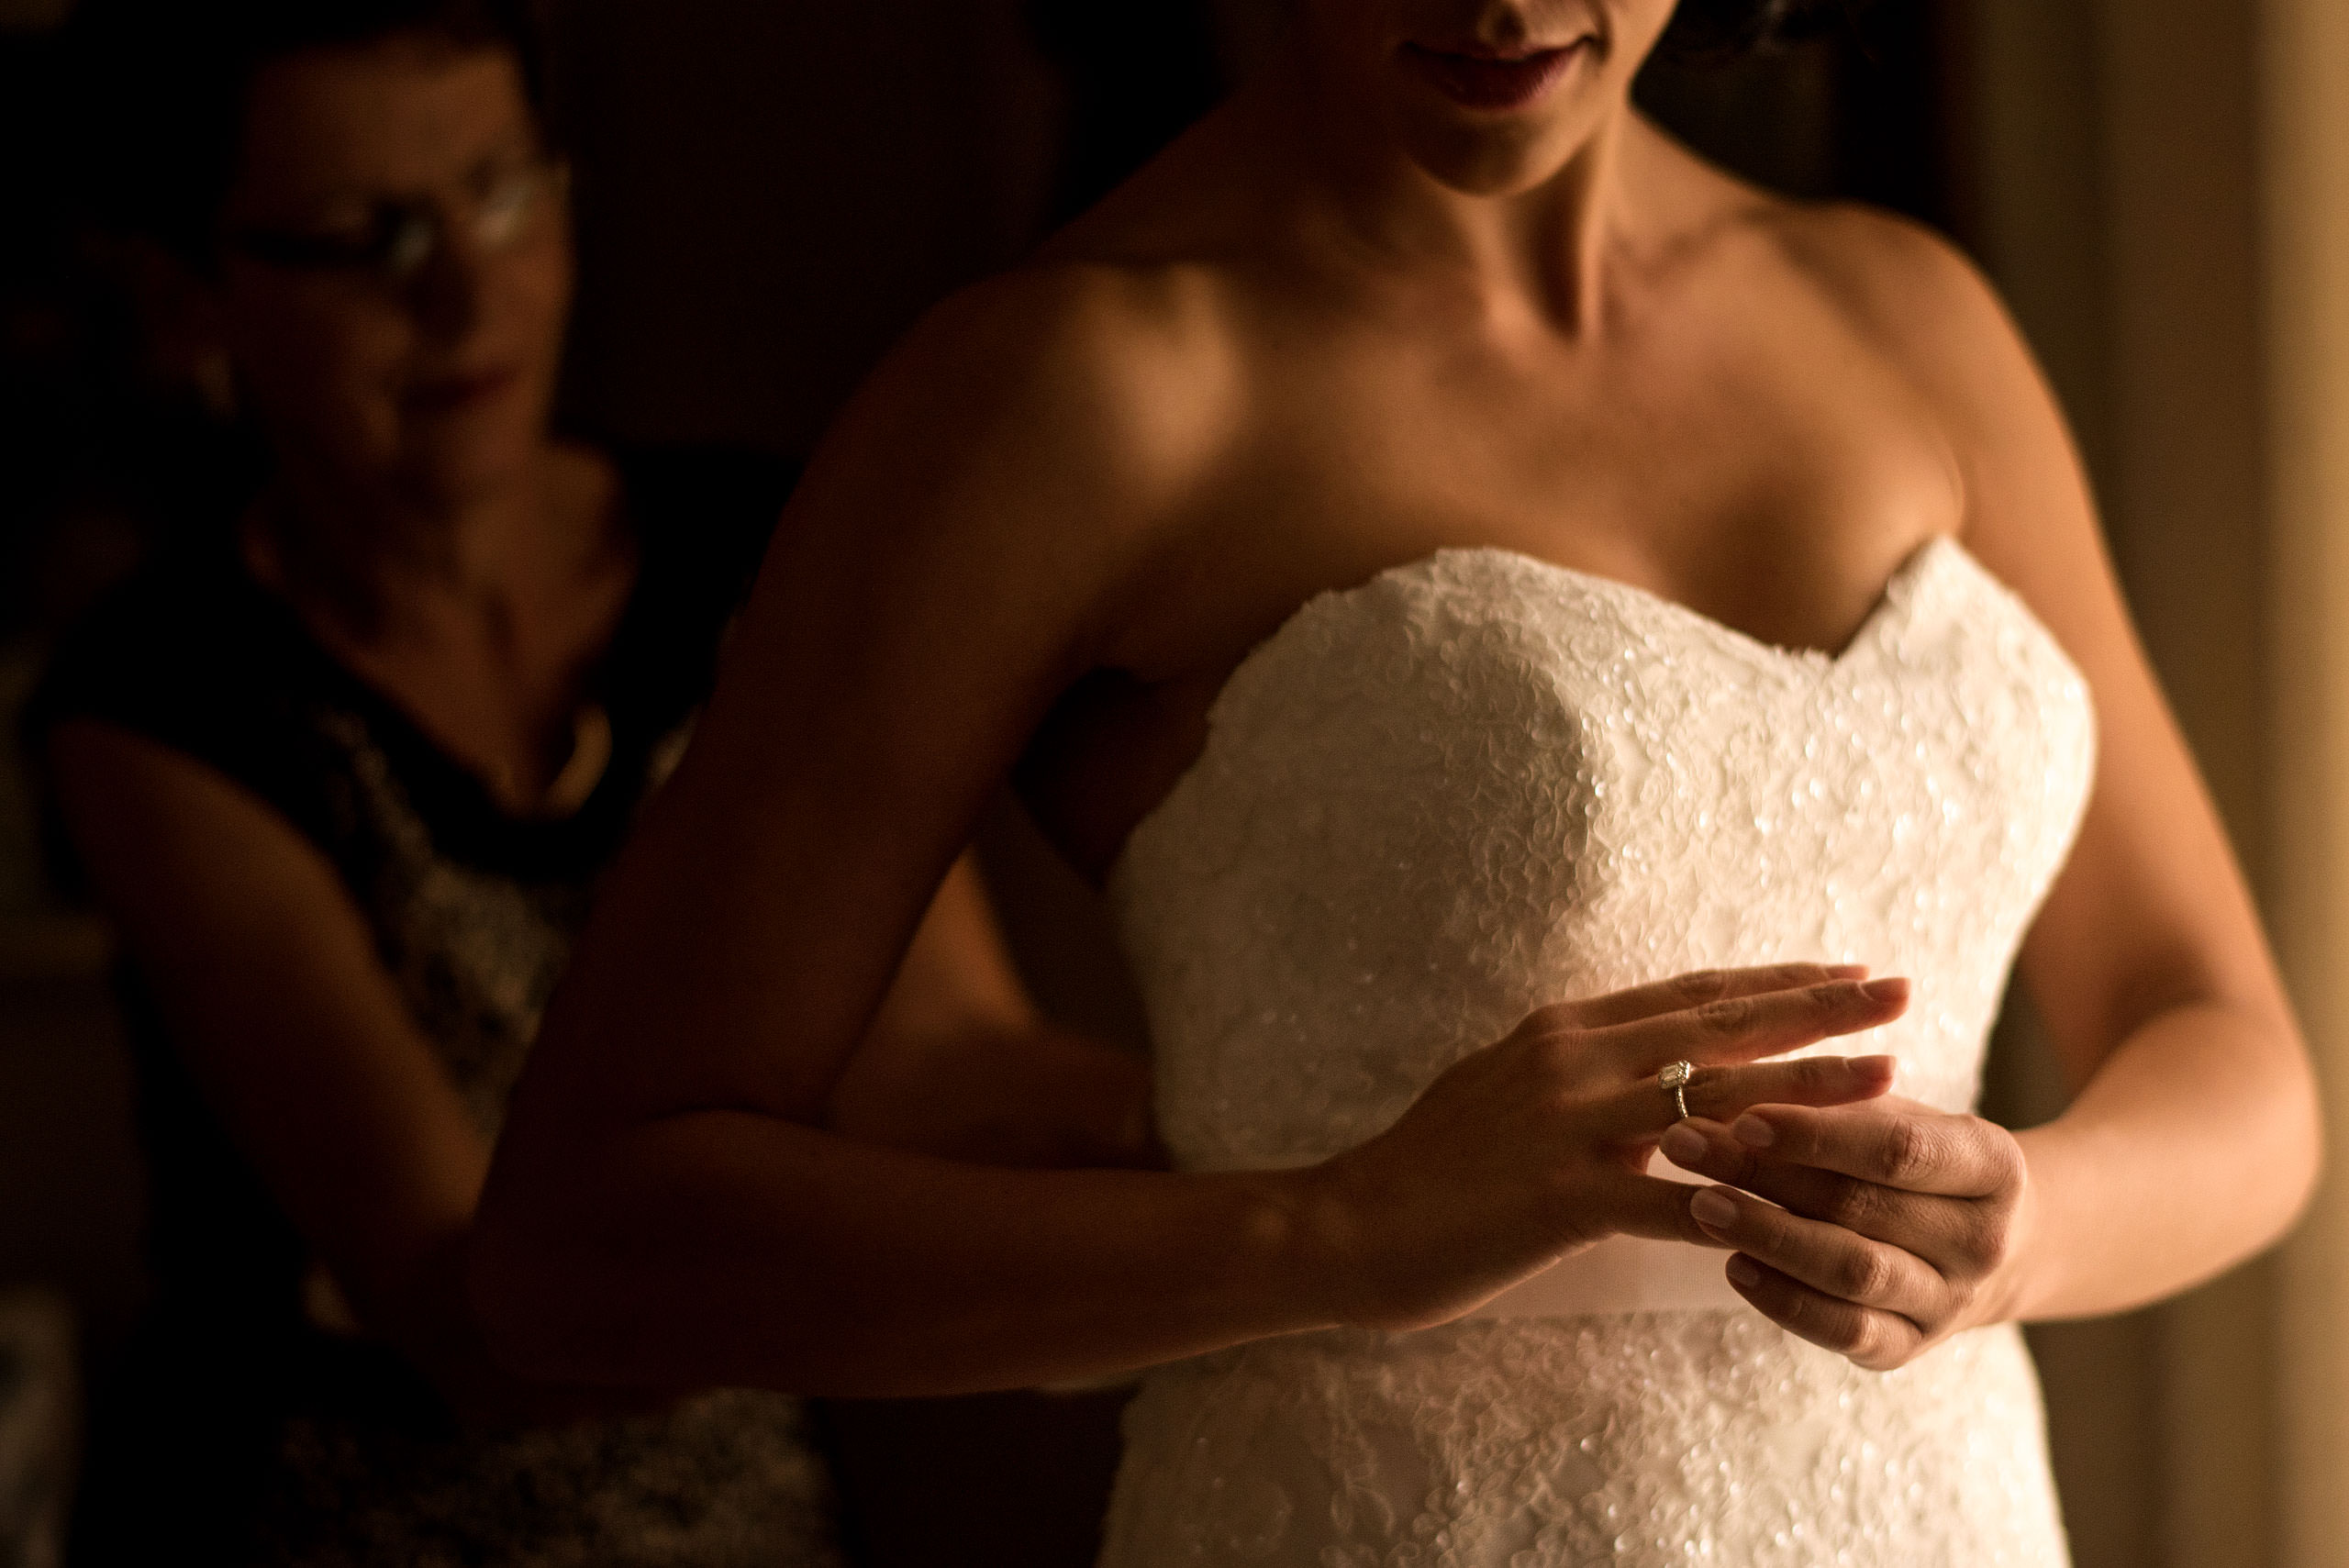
(1733, 26)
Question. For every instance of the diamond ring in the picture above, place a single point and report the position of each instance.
(1673, 1081)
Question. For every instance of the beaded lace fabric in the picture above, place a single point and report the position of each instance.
(1481, 782)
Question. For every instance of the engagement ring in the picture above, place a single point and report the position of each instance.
(1673, 1081)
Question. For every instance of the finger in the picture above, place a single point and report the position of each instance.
(1741, 1028)
(1653, 1207)
(1683, 991)
(1646, 1109)
(1913, 1148)
(1946, 1232)
(1829, 1258)
(1876, 1339)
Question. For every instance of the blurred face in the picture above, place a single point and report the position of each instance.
(1489, 96)
(395, 267)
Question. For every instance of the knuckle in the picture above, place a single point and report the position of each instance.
(1554, 1055)
(1907, 1152)
(1701, 986)
(1983, 1244)
(1866, 1276)
(1853, 1205)
(1853, 1334)
(1553, 1018)
(1820, 1073)
(1886, 1350)
(1997, 1247)
(1728, 1015)
(2006, 1157)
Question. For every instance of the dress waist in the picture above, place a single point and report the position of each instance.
(1623, 1273)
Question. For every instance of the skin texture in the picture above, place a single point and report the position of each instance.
(473, 571)
(1343, 323)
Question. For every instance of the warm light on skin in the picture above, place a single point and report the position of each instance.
(435, 390)
(1361, 51)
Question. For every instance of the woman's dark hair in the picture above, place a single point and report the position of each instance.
(167, 84)
(1736, 27)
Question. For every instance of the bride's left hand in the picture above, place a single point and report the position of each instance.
(1876, 1231)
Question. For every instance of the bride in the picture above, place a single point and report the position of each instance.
(1460, 569)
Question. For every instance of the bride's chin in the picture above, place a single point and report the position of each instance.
(1496, 154)
(1492, 160)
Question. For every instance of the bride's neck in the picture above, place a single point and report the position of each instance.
(1545, 250)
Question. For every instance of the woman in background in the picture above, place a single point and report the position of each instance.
(344, 771)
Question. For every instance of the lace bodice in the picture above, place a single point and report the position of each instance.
(1481, 782)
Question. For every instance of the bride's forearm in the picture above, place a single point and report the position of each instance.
(722, 1247)
(2194, 1146)
(1032, 1096)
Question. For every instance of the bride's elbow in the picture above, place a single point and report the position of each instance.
(2283, 1148)
(2304, 1164)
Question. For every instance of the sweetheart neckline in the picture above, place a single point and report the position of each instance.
(1821, 662)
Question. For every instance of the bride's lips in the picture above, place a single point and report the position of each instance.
(1476, 81)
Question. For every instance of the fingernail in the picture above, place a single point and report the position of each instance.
(1712, 1208)
(1742, 1270)
(1876, 1066)
(1684, 1146)
(1893, 989)
(1848, 970)
(1753, 1132)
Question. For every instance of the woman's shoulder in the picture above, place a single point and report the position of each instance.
(1090, 325)
(1887, 274)
(1913, 298)
(1895, 275)
(188, 653)
(1913, 295)
(1108, 385)
(1918, 301)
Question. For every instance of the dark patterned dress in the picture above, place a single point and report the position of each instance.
(247, 1427)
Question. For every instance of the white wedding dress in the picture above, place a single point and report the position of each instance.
(1481, 782)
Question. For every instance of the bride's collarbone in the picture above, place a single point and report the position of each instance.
(1788, 532)
(1787, 528)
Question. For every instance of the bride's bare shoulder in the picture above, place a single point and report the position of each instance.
(1891, 278)
(1094, 320)
(1139, 288)
(1104, 386)
(1896, 280)
(1938, 321)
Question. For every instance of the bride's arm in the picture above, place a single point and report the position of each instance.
(666, 1206)
(665, 1192)
(2192, 1138)
(960, 1063)
(2148, 963)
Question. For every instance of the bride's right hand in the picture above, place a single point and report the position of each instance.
(1536, 1147)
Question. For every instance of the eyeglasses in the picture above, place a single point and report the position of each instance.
(400, 238)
